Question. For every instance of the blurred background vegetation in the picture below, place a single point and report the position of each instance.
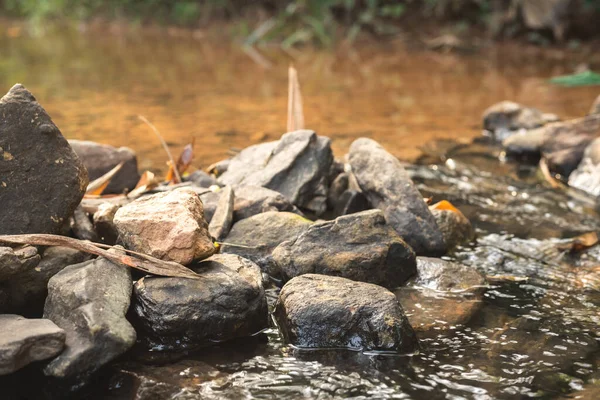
(292, 22)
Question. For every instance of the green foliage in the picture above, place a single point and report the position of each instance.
(587, 78)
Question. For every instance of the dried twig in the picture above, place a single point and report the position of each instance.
(295, 110)
(162, 141)
(143, 262)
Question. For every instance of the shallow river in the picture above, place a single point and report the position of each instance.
(533, 338)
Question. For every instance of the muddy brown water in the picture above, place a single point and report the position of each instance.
(535, 338)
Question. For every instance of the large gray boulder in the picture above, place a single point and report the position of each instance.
(256, 237)
(359, 246)
(226, 302)
(317, 311)
(89, 301)
(587, 175)
(168, 225)
(296, 166)
(41, 178)
(23, 341)
(26, 292)
(387, 186)
(101, 158)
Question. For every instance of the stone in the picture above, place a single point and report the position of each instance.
(388, 187)
(587, 175)
(507, 117)
(595, 109)
(220, 223)
(525, 142)
(201, 178)
(350, 202)
(296, 166)
(89, 301)
(228, 301)
(82, 226)
(100, 158)
(361, 247)
(16, 261)
(318, 311)
(260, 234)
(26, 292)
(441, 275)
(23, 341)
(565, 142)
(104, 223)
(169, 226)
(455, 227)
(253, 200)
(338, 186)
(41, 178)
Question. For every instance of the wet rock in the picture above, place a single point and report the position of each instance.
(441, 275)
(260, 234)
(222, 219)
(296, 166)
(201, 178)
(587, 175)
(82, 227)
(101, 158)
(388, 187)
(317, 311)
(350, 202)
(566, 142)
(41, 178)
(595, 109)
(455, 227)
(505, 118)
(23, 341)
(168, 225)
(89, 301)
(361, 247)
(104, 223)
(15, 261)
(27, 290)
(228, 301)
(525, 142)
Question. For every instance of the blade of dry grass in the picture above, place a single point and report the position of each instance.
(162, 141)
(295, 109)
(141, 261)
(97, 186)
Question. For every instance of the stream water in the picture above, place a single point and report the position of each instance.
(529, 338)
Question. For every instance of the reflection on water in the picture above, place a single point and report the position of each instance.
(528, 339)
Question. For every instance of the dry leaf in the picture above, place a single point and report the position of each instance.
(141, 261)
(183, 163)
(97, 186)
(295, 110)
(445, 205)
(580, 243)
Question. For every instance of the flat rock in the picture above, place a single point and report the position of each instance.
(505, 118)
(388, 187)
(100, 158)
(41, 179)
(228, 301)
(168, 225)
(23, 341)
(258, 235)
(296, 166)
(587, 175)
(89, 301)
(220, 223)
(317, 311)
(359, 246)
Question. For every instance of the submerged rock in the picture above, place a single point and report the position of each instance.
(227, 301)
(222, 219)
(23, 341)
(89, 301)
(359, 246)
(259, 235)
(587, 175)
(505, 118)
(317, 311)
(41, 178)
(296, 166)
(388, 187)
(101, 158)
(168, 225)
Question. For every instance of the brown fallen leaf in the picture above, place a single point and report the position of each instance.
(183, 163)
(295, 110)
(97, 186)
(555, 183)
(137, 260)
(580, 243)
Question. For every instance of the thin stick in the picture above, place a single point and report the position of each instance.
(164, 144)
(295, 110)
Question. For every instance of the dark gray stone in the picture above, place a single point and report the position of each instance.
(221, 221)
(442, 275)
(587, 175)
(259, 234)
(338, 186)
(89, 301)
(101, 158)
(82, 226)
(317, 311)
(296, 166)
(41, 178)
(16, 261)
(201, 178)
(228, 301)
(359, 246)
(350, 202)
(104, 223)
(23, 341)
(388, 187)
